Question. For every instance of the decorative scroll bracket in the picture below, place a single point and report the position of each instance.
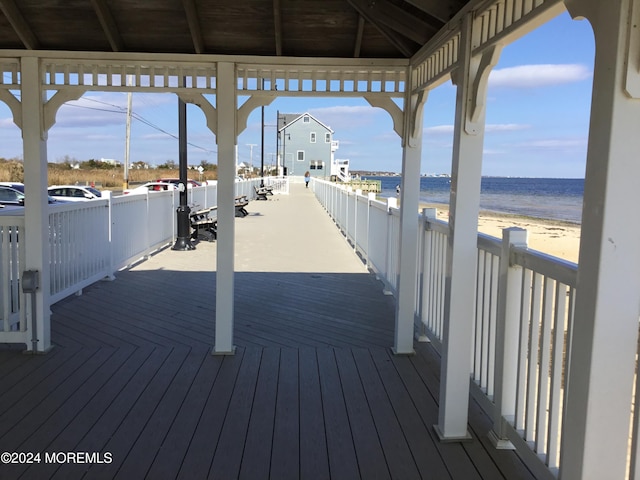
(210, 112)
(479, 85)
(14, 105)
(254, 101)
(54, 103)
(388, 105)
(415, 115)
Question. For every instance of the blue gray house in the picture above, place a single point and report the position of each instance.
(306, 144)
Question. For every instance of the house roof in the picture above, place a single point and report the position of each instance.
(285, 120)
(299, 28)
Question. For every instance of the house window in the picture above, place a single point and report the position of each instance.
(305, 119)
(312, 166)
(327, 138)
(316, 165)
(301, 155)
(312, 137)
(320, 166)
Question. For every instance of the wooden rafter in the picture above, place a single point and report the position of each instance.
(401, 22)
(436, 8)
(108, 24)
(358, 44)
(191, 11)
(277, 26)
(406, 47)
(19, 24)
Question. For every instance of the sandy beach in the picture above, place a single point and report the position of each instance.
(557, 238)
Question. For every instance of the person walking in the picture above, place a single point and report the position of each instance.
(307, 177)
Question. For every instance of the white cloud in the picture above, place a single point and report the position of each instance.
(343, 117)
(440, 129)
(492, 127)
(543, 75)
(505, 127)
(555, 143)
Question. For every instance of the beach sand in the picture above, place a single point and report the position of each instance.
(557, 238)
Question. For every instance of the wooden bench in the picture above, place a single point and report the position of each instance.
(241, 203)
(204, 223)
(261, 193)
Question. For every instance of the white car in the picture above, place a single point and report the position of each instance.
(74, 193)
(151, 187)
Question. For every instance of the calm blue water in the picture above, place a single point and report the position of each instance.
(551, 198)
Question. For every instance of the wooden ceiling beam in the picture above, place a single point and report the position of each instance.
(19, 24)
(401, 21)
(193, 21)
(367, 10)
(436, 8)
(108, 23)
(359, 33)
(277, 26)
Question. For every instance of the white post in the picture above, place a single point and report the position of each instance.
(409, 203)
(226, 138)
(462, 240)
(507, 334)
(428, 214)
(36, 240)
(604, 341)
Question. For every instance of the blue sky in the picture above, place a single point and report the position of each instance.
(537, 118)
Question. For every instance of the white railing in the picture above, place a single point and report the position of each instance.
(11, 259)
(91, 240)
(524, 315)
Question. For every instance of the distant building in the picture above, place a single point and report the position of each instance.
(305, 144)
(110, 161)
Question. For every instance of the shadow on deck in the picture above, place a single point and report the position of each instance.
(313, 391)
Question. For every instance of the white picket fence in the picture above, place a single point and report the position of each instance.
(523, 316)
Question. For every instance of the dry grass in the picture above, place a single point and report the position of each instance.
(12, 171)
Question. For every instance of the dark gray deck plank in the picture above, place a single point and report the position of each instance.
(314, 460)
(228, 456)
(140, 412)
(415, 373)
(199, 456)
(141, 455)
(342, 455)
(371, 458)
(399, 459)
(285, 458)
(98, 437)
(78, 427)
(256, 459)
(20, 418)
(171, 453)
(419, 436)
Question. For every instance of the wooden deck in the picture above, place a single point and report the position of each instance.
(313, 391)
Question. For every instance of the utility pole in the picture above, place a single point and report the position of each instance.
(127, 141)
(251, 145)
(262, 147)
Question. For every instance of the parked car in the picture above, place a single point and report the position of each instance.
(74, 193)
(151, 187)
(13, 194)
(176, 181)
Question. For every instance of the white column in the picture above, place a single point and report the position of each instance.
(36, 238)
(470, 78)
(226, 138)
(409, 204)
(605, 332)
